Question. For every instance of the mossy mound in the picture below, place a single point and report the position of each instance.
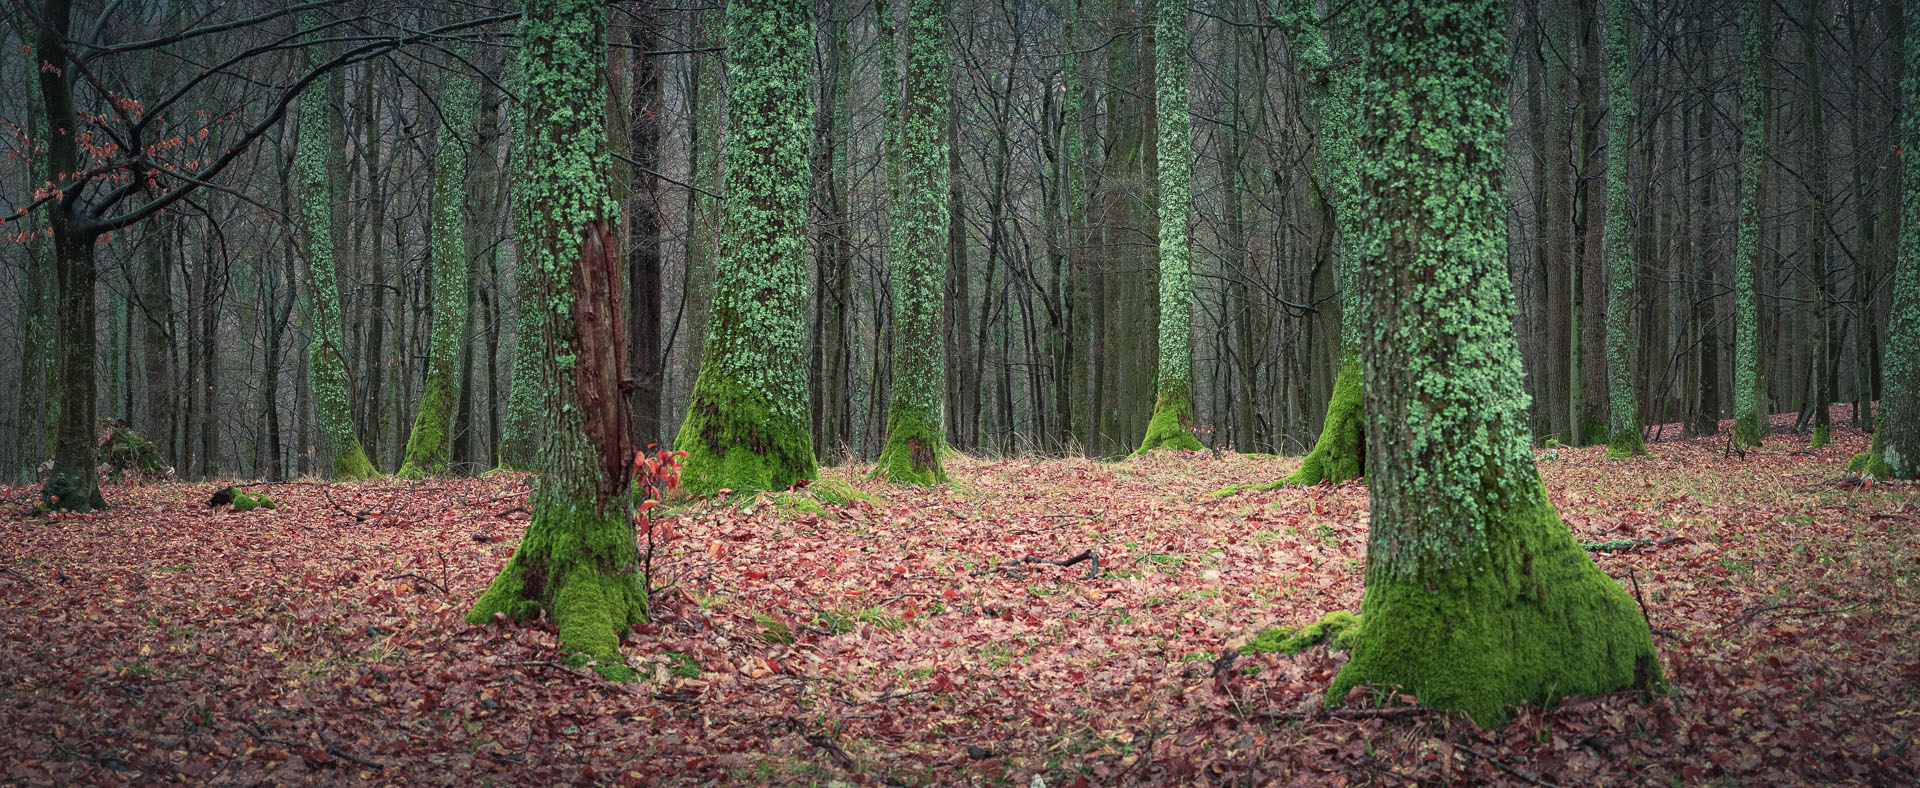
(241, 500)
(1873, 461)
(576, 567)
(1336, 629)
(816, 498)
(128, 456)
(1171, 426)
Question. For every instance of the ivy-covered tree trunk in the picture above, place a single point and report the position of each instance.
(1171, 426)
(747, 427)
(1749, 392)
(341, 455)
(1623, 401)
(432, 437)
(1477, 597)
(1338, 455)
(74, 484)
(1896, 445)
(579, 563)
(521, 440)
(918, 224)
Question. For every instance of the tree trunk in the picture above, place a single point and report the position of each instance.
(1749, 392)
(1623, 413)
(747, 427)
(1477, 597)
(579, 564)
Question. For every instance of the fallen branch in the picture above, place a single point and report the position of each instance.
(336, 752)
(1084, 555)
(832, 749)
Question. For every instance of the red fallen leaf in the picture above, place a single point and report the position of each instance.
(500, 617)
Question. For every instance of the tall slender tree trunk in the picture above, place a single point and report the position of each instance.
(747, 427)
(918, 216)
(1818, 228)
(1623, 414)
(1749, 388)
(1896, 445)
(430, 443)
(341, 454)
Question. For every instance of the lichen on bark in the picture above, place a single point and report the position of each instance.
(918, 216)
(1477, 597)
(748, 426)
(1171, 426)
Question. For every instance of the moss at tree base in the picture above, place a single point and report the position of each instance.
(1822, 436)
(739, 443)
(352, 465)
(65, 492)
(1530, 620)
(1873, 461)
(1172, 424)
(914, 446)
(1339, 453)
(1626, 443)
(579, 567)
(1746, 431)
(428, 445)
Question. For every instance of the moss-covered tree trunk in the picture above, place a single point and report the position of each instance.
(1477, 597)
(74, 484)
(1896, 445)
(37, 314)
(918, 224)
(1171, 426)
(431, 441)
(747, 427)
(341, 456)
(1749, 392)
(1623, 345)
(579, 563)
(1338, 455)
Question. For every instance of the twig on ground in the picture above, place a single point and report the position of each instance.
(1806, 610)
(16, 573)
(443, 589)
(1638, 598)
(1503, 767)
(335, 751)
(832, 748)
(1619, 545)
(1084, 555)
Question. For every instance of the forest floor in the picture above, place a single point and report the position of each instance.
(323, 642)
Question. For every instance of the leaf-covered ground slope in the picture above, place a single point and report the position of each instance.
(906, 641)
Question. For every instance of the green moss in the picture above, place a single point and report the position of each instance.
(244, 501)
(1333, 628)
(129, 455)
(1626, 443)
(579, 567)
(1746, 431)
(1873, 461)
(428, 444)
(1529, 621)
(1172, 424)
(1339, 453)
(1821, 437)
(740, 443)
(773, 630)
(430, 441)
(912, 454)
(796, 503)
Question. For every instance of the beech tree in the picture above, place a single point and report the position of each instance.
(1171, 426)
(431, 441)
(915, 431)
(1477, 597)
(579, 564)
(748, 426)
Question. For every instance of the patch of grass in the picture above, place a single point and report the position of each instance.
(683, 665)
(773, 630)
